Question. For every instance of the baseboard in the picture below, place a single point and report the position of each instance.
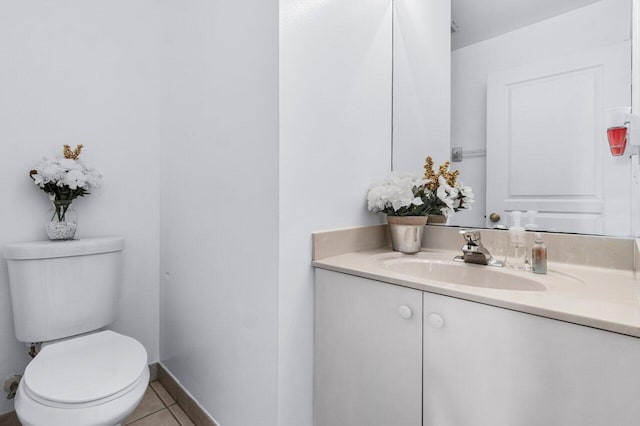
(188, 404)
(153, 372)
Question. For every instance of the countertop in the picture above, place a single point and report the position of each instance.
(603, 298)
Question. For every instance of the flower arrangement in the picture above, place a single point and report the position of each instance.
(64, 179)
(431, 193)
(450, 193)
(400, 194)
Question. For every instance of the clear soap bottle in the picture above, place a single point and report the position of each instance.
(539, 256)
(517, 238)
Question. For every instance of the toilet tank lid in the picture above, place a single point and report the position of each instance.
(52, 249)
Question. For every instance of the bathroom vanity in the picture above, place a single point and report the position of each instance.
(418, 340)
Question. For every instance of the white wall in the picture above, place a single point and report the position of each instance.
(219, 206)
(597, 25)
(237, 304)
(421, 83)
(178, 106)
(83, 72)
(335, 132)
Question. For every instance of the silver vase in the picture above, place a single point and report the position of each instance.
(406, 233)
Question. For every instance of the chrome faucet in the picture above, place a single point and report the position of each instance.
(473, 251)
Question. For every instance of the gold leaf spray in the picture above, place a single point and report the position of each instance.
(72, 154)
(449, 176)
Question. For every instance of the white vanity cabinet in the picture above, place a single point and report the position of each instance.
(387, 355)
(368, 352)
(490, 366)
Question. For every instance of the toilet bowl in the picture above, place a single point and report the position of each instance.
(63, 294)
(92, 380)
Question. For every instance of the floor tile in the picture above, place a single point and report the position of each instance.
(151, 411)
(9, 419)
(180, 415)
(150, 404)
(163, 394)
(159, 418)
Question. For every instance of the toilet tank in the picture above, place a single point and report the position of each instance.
(63, 288)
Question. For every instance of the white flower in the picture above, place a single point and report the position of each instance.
(38, 180)
(60, 172)
(93, 178)
(449, 196)
(70, 164)
(455, 198)
(48, 171)
(413, 194)
(445, 192)
(466, 195)
(75, 179)
(466, 191)
(396, 192)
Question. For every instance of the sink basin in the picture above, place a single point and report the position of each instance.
(463, 274)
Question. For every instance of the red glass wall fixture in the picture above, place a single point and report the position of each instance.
(617, 139)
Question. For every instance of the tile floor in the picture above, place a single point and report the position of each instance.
(157, 408)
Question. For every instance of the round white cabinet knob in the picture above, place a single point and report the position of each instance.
(436, 320)
(405, 312)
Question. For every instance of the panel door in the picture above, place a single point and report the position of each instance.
(547, 146)
(490, 366)
(368, 352)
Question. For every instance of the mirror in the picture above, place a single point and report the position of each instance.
(531, 81)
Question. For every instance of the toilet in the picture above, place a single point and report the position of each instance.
(63, 295)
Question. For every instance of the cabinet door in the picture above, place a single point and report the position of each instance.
(490, 366)
(368, 352)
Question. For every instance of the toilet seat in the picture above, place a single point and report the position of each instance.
(32, 413)
(58, 386)
(85, 371)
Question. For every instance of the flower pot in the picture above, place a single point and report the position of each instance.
(437, 220)
(62, 221)
(406, 233)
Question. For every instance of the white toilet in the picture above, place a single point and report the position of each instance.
(63, 293)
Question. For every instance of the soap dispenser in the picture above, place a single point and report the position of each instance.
(516, 236)
(531, 224)
(539, 256)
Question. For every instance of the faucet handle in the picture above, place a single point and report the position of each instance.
(471, 236)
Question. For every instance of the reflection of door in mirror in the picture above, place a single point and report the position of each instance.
(546, 142)
(551, 81)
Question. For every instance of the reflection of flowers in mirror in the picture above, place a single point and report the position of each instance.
(414, 194)
(451, 194)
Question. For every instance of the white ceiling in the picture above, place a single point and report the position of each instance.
(479, 20)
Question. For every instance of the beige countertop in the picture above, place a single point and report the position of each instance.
(599, 297)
